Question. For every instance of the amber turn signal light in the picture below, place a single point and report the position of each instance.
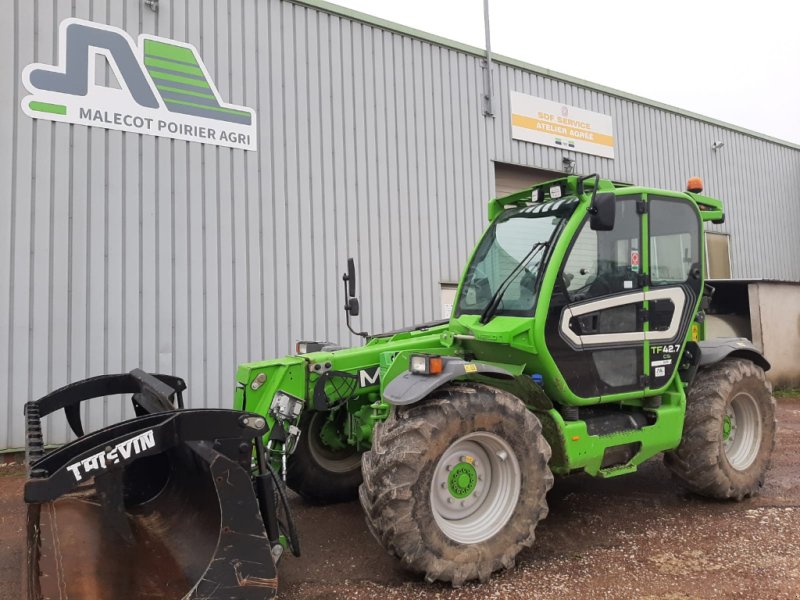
(425, 364)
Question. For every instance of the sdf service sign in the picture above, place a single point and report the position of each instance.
(166, 89)
(554, 124)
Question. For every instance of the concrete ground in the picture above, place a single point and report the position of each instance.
(638, 536)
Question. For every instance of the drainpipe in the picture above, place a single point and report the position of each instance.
(488, 94)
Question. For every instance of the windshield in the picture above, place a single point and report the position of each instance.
(508, 243)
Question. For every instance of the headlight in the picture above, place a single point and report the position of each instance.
(425, 364)
(304, 346)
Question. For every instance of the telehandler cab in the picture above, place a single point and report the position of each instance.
(576, 344)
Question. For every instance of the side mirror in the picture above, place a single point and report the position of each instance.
(352, 307)
(602, 211)
(350, 278)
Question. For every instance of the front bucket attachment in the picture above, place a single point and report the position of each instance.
(160, 506)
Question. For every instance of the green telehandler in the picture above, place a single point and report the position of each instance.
(576, 344)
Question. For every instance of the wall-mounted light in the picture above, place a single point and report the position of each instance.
(568, 165)
(717, 145)
(152, 5)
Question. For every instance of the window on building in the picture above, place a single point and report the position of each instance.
(447, 299)
(513, 178)
(718, 257)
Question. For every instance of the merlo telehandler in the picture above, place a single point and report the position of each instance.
(576, 344)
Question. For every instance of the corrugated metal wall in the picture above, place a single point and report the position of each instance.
(119, 250)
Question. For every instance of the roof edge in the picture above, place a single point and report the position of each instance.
(743, 280)
(355, 15)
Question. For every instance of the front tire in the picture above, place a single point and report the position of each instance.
(318, 473)
(728, 433)
(455, 486)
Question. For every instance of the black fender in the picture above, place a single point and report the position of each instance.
(408, 388)
(714, 350)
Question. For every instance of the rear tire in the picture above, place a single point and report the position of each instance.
(728, 433)
(319, 474)
(471, 519)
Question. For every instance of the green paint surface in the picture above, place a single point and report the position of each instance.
(726, 428)
(56, 109)
(201, 85)
(174, 66)
(462, 480)
(169, 51)
(206, 107)
(169, 88)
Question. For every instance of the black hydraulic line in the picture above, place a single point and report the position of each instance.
(265, 491)
(291, 534)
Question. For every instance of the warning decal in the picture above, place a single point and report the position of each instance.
(635, 261)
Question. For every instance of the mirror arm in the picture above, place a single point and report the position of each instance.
(586, 178)
(363, 334)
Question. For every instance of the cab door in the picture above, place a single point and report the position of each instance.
(595, 328)
(675, 282)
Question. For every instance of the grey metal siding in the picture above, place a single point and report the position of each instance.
(119, 250)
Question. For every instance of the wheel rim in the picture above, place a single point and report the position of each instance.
(475, 487)
(741, 431)
(335, 461)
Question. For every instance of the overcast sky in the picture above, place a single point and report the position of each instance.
(735, 61)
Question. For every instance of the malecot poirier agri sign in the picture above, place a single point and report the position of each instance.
(166, 89)
(561, 126)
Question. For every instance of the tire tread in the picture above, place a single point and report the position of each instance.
(392, 468)
(699, 461)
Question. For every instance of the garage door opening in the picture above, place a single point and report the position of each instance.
(513, 178)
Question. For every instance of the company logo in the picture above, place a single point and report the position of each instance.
(368, 377)
(111, 456)
(165, 89)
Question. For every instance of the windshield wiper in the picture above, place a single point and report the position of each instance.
(494, 301)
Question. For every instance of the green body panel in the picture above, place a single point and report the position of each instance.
(515, 343)
(577, 450)
(295, 375)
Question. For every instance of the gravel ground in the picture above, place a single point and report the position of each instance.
(636, 536)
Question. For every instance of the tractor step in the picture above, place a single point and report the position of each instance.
(618, 470)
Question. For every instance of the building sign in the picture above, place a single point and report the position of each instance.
(166, 89)
(554, 124)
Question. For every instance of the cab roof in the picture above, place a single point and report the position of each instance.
(585, 186)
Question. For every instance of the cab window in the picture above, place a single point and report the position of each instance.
(605, 262)
(674, 241)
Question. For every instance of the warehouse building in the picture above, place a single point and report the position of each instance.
(185, 180)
